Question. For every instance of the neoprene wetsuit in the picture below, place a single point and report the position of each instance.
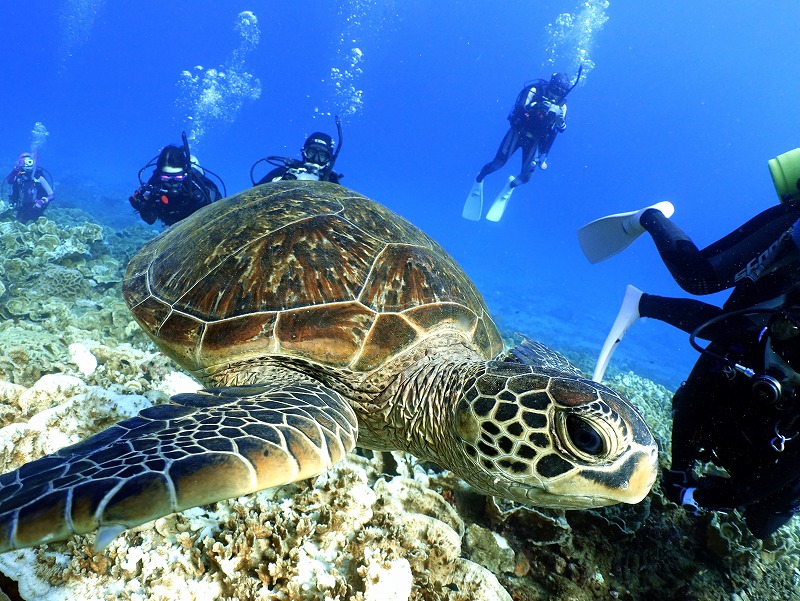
(717, 415)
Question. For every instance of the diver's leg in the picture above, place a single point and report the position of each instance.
(683, 313)
(507, 146)
(529, 146)
(766, 517)
(764, 512)
(545, 144)
(690, 269)
(765, 524)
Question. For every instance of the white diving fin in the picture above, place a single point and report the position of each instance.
(499, 205)
(605, 237)
(628, 314)
(473, 207)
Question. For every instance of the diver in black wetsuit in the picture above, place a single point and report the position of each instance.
(178, 187)
(539, 114)
(738, 408)
(317, 164)
(319, 157)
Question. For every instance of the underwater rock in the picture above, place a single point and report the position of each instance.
(542, 526)
(83, 358)
(28, 351)
(57, 411)
(729, 537)
(489, 549)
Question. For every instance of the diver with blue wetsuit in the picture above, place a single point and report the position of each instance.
(31, 192)
(740, 406)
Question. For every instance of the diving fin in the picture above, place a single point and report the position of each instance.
(628, 313)
(605, 237)
(499, 205)
(473, 207)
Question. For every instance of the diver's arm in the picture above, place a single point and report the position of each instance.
(561, 119)
(529, 99)
(45, 185)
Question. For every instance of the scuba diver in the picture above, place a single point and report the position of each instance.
(319, 157)
(177, 188)
(31, 191)
(739, 408)
(539, 114)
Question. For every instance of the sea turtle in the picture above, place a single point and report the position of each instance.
(322, 320)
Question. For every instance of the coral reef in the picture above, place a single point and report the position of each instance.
(60, 285)
(377, 527)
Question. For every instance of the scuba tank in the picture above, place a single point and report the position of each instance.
(785, 172)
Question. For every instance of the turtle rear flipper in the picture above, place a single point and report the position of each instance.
(202, 447)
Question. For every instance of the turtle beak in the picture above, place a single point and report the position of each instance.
(626, 482)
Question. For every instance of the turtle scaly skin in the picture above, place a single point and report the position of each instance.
(318, 319)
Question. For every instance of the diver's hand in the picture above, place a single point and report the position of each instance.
(143, 196)
(674, 483)
(555, 109)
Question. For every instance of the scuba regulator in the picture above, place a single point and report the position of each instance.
(778, 378)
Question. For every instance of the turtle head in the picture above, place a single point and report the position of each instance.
(550, 439)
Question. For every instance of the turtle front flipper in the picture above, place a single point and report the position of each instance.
(202, 447)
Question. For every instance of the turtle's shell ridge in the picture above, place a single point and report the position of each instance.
(308, 269)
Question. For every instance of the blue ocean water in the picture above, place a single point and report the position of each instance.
(679, 100)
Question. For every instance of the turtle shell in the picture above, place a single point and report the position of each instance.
(305, 269)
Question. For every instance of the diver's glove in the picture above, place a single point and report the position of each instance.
(556, 110)
(40, 203)
(543, 161)
(143, 196)
(687, 501)
(679, 486)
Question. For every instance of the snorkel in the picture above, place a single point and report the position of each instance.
(186, 154)
(202, 171)
(577, 79)
(338, 143)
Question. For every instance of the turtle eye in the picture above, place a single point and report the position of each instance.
(585, 436)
